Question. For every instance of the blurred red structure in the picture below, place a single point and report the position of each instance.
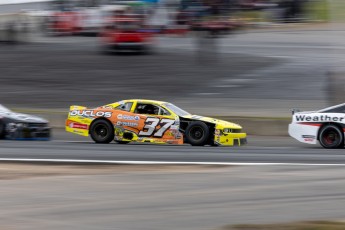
(126, 32)
(63, 22)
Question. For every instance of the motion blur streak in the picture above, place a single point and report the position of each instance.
(155, 198)
(152, 163)
(252, 59)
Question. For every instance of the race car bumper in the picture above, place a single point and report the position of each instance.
(237, 139)
(128, 46)
(304, 133)
(240, 141)
(42, 134)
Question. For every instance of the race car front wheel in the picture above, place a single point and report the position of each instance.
(197, 133)
(331, 137)
(102, 131)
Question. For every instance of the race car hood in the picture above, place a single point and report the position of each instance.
(20, 117)
(213, 121)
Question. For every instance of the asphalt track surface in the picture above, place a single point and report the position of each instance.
(154, 197)
(171, 199)
(260, 150)
(54, 75)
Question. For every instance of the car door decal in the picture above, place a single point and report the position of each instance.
(151, 123)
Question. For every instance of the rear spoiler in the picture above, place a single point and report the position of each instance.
(76, 107)
(293, 111)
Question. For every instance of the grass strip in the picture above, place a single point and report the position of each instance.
(307, 225)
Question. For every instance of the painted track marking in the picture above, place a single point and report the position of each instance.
(78, 161)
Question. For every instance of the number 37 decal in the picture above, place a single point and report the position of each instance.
(151, 124)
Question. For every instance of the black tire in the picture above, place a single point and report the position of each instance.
(102, 131)
(2, 130)
(331, 137)
(197, 133)
(122, 142)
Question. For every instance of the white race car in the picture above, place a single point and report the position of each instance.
(326, 126)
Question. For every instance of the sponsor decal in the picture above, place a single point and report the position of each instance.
(76, 131)
(318, 118)
(78, 126)
(174, 133)
(217, 132)
(171, 133)
(156, 127)
(90, 113)
(118, 131)
(309, 138)
(128, 117)
(174, 127)
(125, 123)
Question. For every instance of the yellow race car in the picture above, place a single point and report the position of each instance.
(149, 121)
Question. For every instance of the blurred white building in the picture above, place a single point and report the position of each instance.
(15, 6)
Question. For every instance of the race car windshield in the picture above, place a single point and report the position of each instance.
(177, 110)
(4, 109)
(334, 109)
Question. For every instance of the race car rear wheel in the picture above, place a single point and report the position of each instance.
(197, 133)
(331, 137)
(102, 131)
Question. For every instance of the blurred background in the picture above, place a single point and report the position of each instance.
(212, 57)
(250, 59)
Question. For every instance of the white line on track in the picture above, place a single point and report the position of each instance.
(28, 160)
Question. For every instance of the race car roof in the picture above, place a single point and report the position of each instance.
(147, 101)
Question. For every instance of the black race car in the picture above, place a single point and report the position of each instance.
(18, 126)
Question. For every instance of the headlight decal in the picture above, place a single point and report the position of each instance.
(229, 130)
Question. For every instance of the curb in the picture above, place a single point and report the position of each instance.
(261, 126)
